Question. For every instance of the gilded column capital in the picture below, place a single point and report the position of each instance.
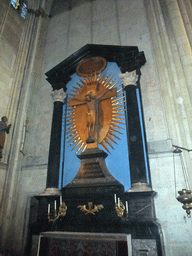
(58, 95)
(129, 78)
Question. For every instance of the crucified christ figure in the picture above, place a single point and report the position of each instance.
(91, 99)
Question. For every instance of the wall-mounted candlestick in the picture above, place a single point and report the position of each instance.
(61, 212)
(120, 208)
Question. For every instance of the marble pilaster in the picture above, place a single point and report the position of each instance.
(55, 144)
(134, 134)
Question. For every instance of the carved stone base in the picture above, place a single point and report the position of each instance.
(51, 192)
(140, 187)
(93, 175)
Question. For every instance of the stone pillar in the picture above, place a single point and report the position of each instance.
(134, 134)
(170, 27)
(55, 144)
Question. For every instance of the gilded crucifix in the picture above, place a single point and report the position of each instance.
(94, 112)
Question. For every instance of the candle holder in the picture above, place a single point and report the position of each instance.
(185, 197)
(61, 213)
(121, 208)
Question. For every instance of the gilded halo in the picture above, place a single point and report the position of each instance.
(91, 65)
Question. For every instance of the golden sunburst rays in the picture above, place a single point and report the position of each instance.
(71, 131)
(118, 117)
(90, 79)
(104, 83)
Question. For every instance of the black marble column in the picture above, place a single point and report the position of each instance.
(134, 133)
(55, 142)
(136, 152)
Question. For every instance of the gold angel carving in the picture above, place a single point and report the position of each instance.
(90, 209)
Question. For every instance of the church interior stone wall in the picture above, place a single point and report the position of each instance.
(11, 28)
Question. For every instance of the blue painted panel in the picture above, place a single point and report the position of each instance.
(117, 162)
